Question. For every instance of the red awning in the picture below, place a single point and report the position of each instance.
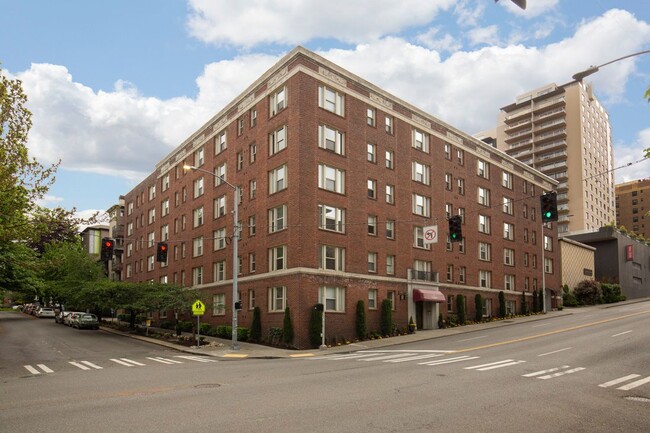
(428, 295)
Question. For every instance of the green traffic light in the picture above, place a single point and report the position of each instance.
(547, 214)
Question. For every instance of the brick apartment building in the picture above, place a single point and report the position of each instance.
(632, 204)
(339, 179)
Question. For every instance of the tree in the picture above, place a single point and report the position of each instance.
(478, 304)
(361, 320)
(460, 308)
(53, 225)
(287, 328)
(502, 304)
(386, 323)
(256, 326)
(17, 270)
(524, 305)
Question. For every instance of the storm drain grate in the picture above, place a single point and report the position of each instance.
(639, 399)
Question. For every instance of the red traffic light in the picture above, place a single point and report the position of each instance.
(108, 244)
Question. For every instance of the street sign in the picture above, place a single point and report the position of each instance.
(198, 308)
(430, 234)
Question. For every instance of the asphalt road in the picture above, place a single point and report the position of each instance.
(586, 372)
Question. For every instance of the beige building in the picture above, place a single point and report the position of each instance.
(564, 132)
(577, 262)
(632, 205)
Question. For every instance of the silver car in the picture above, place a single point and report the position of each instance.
(45, 312)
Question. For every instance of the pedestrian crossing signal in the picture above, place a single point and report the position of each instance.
(161, 252)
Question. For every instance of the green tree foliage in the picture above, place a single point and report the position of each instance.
(287, 327)
(361, 320)
(386, 324)
(460, 308)
(256, 326)
(17, 270)
(502, 304)
(568, 298)
(611, 293)
(524, 305)
(478, 305)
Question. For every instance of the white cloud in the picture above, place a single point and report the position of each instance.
(484, 35)
(294, 22)
(629, 157)
(50, 200)
(468, 12)
(430, 39)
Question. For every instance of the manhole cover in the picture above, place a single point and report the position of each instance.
(639, 399)
(207, 385)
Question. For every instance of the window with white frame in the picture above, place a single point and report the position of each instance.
(198, 187)
(331, 178)
(449, 210)
(450, 272)
(331, 100)
(422, 267)
(420, 140)
(483, 196)
(277, 258)
(197, 246)
(371, 116)
(164, 182)
(252, 225)
(219, 271)
(421, 205)
(390, 157)
(548, 243)
(129, 249)
(448, 181)
(418, 238)
(371, 152)
(277, 101)
(220, 142)
(164, 207)
(508, 257)
(507, 180)
(372, 188)
(390, 295)
(198, 217)
(277, 299)
(460, 154)
(548, 265)
(197, 276)
(150, 263)
(278, 179)
(333, 298)
(372, 225)
(240, 126)
(331, 139)
(390, 194)
(372, 262)
(277, 218)
(484, 251)
(390, 264)
(278, 140)
(220, 174)
(331, 258)
(251, 299)
(483, 169)
(484, 224)
(252, 189)
(152, 215)
(461, 186)
(509, 282)
(252, 263)
(447, 150)
(508, 207)
(509, 231)
(462, 273)
(420, 172)
(511, 308)
(372, 299)
(390, 229)
(219, 304)
(389, 124)
(199, 157)
(331, 218)
(151, 239)
(485, 278)
(220, 206)
(219, 237)
(164, 233)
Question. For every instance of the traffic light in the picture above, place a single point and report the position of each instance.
(455, 228)
(548, 204)
(161, 252)
(237, 305)
(107, 249)
(319, 307)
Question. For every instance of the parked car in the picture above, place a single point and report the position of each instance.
(45, 312)
(85, 320)
(60, 318)
(67, 320)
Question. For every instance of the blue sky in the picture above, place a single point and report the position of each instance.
(114, 86)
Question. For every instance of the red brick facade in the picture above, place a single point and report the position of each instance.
(306, 109)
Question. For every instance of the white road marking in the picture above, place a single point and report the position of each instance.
(493, 365)
(622, 333)
(550, 370)
(391, 356)
(165, 360)
(619, 380)
(90, 364)
(561, 373)
(196, 358)
(127, 362)
(449, 360)
(45, 368)
(555, 351)
(345, 356)
(632, 385)
(31, 369)
(416, 357)
(79, 365)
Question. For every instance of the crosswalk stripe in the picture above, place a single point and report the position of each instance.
(133, 362)
(632, 385)
(391, 356)
(550, 370)
(561, 373)
(165, 360)
(79, 365)
(508, 364)
(45, 368)
(197, 358)
(449, 360)
(122, 362)
(90, 364)
(31, 369)
(619, 380)
(416, 358)
(493, 365)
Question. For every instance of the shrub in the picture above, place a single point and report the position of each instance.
(460, 308)
(224, 331)
(478, 304)
(502, 304)
(275, 335)
(205, 329)
(568, 298)
(386, 324)
(611, 293)
(287, 327)
(166, 324)
(185, 326)
(315, 327)
(361, 320)
(588, 292)
(256, 327)
(524, 305)
(242, 333)
(535, 310)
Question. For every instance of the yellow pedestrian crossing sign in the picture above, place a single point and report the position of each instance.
(198, 308)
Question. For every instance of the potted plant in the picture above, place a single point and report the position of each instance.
(412, 326)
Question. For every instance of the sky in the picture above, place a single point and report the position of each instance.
(114, 86)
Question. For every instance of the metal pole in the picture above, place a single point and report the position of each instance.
(543, 272)
(235, 270)
(198, 329)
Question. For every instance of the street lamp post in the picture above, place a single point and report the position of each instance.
(593, 69)
(235, 248)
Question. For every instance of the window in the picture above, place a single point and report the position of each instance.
(197, 276)
(485, 279)
(390, 156)
(331, 258)
(165, 182)
(447, 151)
(372, 188)
(421, 205)
(371, 116)
(372, 152)
(448, 181)
(219, 270)
(390, 229)
(198, 217)
(152, 216)
(507, 180)
(252, 263)
(331, 100)
(509, 231)
(484, 251)
(240, 161)
(508, 206)
(450, 273)
(509, 282)
(390, 194)
(389, 124)
(508, 257)
(277, 218)
(390, 264)
(420, 140)
(277, 140)
(462, 272)
(331, 139)
(461, 186)
(372, 225)
(252, 150)
(372, 299)
(220, 142)
(484, 224)
(484, 196)
(548, 265)
(331, 178)
(253, 116)
(460, 153)
(278, 179)
(150, 263)
(252, 227)
(251, 299)
(526, 260)
(372, 262)
(418, 238)
(277, 101)
(420, 172)
(219, 237)
(277, 258)
(219, 174)
(220, 206)
(198, 187)
(197, 247)
(331, 218)
(252, 189)
(199, 157)
(240, 126)
(277, 299)
(483, 169)
(164, 233)
(450, 303)
(391, 297)
(333, 298)
(548, 243)
(164, 207)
